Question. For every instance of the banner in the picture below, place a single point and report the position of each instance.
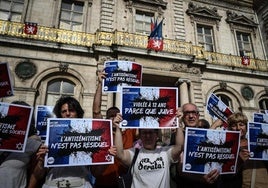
(42, 113)
(260, 117)
(121, 73)
(75, 142)
(30, 28)
(208, 149)
(155, 39)
(6, 89)
(217, 109)
(149, 107)
(258, 140)
(15, 121)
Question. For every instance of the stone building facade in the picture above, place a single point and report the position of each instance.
(203, 44)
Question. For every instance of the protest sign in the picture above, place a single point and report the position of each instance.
(149, 107)
(121, 73)
(258, 140)
(76, 142)
(42, 113)
(15, 121)
(6, 88)
(217, 109)
(260, 117)
(208, 149)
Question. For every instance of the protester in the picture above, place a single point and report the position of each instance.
(251, 173)
(203, 123)
(106, 175)
(71, 176)
(190, 118)
(14, 166)
(151, 168)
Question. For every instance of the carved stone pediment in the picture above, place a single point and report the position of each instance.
(240, 20)
(156, 3)
(203, 12)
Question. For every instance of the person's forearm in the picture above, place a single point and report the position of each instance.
(179, 141)
(97, 102)
(119, 143)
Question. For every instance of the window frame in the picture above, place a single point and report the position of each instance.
(144, 15)
(11, 11)
(204, 43)
(244, 51)
(264, 100)
(60, 93)
(71, 23)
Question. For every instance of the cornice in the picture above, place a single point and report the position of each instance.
(241, 20)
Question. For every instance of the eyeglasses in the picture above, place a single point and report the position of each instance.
(187, 113)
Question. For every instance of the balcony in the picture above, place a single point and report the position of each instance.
(15, 29)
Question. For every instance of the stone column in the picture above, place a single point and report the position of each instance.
(184, 91)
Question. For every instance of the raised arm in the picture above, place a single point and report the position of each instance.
(97, 97)
(179, 140)
(122, 154)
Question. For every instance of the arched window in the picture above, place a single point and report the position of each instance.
(58, 88)
(263, 104)
(226, 100)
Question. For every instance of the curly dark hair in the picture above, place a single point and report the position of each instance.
(72, 103)
(111, 112)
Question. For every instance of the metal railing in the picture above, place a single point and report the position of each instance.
(15, 29)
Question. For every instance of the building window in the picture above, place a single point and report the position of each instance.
(244, 44)
(11, 10)
(143, 22)
(263, 104)
(71, 17)
(226, 100)
(58, 88)
(205, 37)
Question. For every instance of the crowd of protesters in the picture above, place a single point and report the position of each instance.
(156, 165)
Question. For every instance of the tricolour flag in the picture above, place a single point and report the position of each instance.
(155, 40)
(30, 28)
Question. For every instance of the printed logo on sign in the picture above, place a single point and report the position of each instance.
(124, 122)
(188, 166)
(50, 160)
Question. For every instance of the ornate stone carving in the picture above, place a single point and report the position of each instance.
(223, 85)
(240, 21)
(63, 67)
(155, 3)
(209, 15)
(25, 69)
(247, 92)
(179, 68)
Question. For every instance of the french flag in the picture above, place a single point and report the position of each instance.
(155, 40)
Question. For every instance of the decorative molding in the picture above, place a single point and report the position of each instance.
(184, 68)
(155, 3)
(204, 14)
(179, 68)
(240, 22)
(223, 85)
(63, 67)
(247, 92)
(25, 69)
